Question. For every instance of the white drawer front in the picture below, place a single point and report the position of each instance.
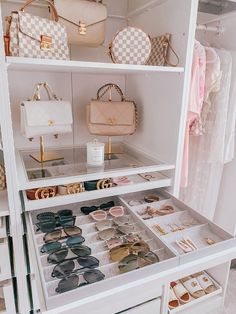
(7, 304)
(5, 267)
(152, 307)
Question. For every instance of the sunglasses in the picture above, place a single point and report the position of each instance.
(48, 221)
(115, 211)
(54, 246)
(87, 210)
(119, 252)
(116, 241)
(66, 268)
(72, 282)
(67, 231)
(61, 254)
(133, 261)
(109, 233)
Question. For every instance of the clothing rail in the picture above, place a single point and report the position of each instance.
(206, 28)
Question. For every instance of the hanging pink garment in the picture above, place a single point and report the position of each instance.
(196, 98)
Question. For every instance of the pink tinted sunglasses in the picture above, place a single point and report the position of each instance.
(100, 215)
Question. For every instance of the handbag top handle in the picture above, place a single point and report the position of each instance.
(50, 93)
(54, 10)
(108, 87)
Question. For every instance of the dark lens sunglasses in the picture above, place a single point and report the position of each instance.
(66, 268)
(72, 282)
(66, 231)
(61, 254)
(87, 210)
(48, 221)
(54, 246)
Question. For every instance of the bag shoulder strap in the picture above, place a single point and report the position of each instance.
(53, 8)
(167, 43)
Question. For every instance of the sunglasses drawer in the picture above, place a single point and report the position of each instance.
(5, 268)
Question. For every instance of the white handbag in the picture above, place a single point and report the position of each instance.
(39, 118)
(84, 21)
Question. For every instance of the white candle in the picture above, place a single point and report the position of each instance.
(95, 153)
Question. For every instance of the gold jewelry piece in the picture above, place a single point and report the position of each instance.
(210, 241)
(160, 229)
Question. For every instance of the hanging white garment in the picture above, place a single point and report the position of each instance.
(206, 151)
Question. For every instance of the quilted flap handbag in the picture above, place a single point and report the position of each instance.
(84, 21)
(111, 118)
(160, 51)
(36, 37)
(130, 45)
(39, 117)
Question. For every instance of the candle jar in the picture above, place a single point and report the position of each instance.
(95, 153)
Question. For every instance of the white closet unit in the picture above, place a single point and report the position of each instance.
(161, 95)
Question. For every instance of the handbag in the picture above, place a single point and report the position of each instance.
(130, 46)
(111, 118)
(35, 37)
(84, 21)
(2, 172)
(39, 117)
(160, 50)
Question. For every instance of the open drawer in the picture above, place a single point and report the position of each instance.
(183, 230)
(7, 304)
(5, 266)
(140, 285)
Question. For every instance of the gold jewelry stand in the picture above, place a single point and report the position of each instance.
(43, 156)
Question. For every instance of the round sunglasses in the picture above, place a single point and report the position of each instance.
(54, 246)
(66, 268)
(72, 282)
(61, 254)
(66, 231)
(89, 209)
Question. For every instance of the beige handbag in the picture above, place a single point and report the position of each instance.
(111, 118)
(130, 45)
(84, 21)
(2, 172)
(35, 37)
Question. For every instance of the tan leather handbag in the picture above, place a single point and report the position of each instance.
(111, 118)
(84, 21)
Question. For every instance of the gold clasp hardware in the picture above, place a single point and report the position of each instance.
(82, 28)
(46, 42)
(51, 122)
(112, 121)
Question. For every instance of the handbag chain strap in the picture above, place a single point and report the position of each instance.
(50, 93)
(108, 87)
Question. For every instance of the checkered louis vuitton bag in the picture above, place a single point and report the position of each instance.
(160, 51)
(2, 178)
(36, 37)
(130, 46)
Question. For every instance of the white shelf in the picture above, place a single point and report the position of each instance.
(138, 185)
(29, 64)
(131, 162)
(4, 208)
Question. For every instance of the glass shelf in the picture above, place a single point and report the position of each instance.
(73, 167)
